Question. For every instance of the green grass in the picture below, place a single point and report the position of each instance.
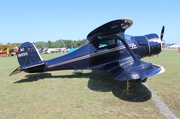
(167, 85)
(93, 94)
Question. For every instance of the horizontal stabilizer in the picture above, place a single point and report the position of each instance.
(16, 71)
(34, 65)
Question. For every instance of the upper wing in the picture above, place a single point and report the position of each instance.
(112, 27)
(6, 46)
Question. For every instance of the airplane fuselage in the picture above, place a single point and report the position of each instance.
(93, 56)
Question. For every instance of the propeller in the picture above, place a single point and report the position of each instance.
(161, 38)
(162, 33)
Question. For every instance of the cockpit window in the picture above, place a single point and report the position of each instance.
(107, 43)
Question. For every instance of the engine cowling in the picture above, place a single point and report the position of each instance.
(148, 45)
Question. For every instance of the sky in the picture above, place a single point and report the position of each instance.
(51, 20)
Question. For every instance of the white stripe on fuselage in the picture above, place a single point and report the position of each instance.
(104, 51)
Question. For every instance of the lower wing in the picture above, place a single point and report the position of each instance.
(133, 71)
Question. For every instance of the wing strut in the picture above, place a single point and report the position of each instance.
(121, 37)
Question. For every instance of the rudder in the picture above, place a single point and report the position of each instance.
(28, 56)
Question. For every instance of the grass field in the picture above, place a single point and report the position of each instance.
(93, 94)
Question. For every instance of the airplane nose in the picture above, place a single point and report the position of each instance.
(156, 46)
(155, 42)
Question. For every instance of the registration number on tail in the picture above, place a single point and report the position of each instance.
(23, 54)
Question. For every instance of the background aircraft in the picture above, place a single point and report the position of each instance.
(108, 49)
(5, 49)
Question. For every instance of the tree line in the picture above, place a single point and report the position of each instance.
(62, 43)
(58, 43)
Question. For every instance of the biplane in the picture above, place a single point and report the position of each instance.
(5, 49)
(109, 49)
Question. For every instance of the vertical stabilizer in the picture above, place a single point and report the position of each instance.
(28, 56)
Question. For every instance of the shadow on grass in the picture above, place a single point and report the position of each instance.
(102, 81)
(36, 77)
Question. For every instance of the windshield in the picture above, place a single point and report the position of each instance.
(110, 42)
(128, 38)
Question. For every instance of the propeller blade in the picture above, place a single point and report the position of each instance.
(162, 33)
(161, 37)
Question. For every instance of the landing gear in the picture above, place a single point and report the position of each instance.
(144, 80)
(38, 76)
(76, 72)
(127, 88)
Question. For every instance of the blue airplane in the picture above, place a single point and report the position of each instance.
(109, 49)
